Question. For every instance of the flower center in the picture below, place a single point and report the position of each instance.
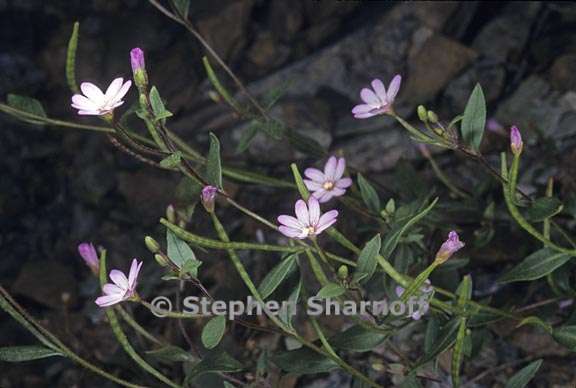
(328, 185)
(309, 230)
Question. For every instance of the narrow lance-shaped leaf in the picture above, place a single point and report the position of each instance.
(523, 377)
(367, 260)
(277, 275)
(26, 104)
(218, 85)
(544, 208)
(213, 331)
(566, 335)
(331, 290)
(369, 194)
(26, 353)
(535, 266)
(158, 108)
(474, 120)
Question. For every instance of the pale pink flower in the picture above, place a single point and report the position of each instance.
(90, 256)
(377, 100)
(309, 222)
(426, 292)
(124, 288)
(95, 102)
(449, 247)
(208, 197)
(516, 142)
(329, 183)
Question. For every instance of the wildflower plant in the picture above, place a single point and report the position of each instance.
(398, 247)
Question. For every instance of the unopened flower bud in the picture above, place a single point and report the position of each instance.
(343, 272)
(171, 214)
(209, 197)
(152, 244)
(422, 113)
(424, 150)
(432, 117)
(139, 68)
(161, 260)
(90, 256)
(449, 247)
(516, 143)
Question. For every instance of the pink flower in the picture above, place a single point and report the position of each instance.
(329, 183)
(516, 143)
(449, 247)
(377, 101)
(123, 288)
(308, 221)
(208, 197)
(94, 102)
(137, 59)
(90, 256)
(426, 292)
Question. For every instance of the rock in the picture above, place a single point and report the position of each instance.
(320, 10)
(426, 79)
(47, 282)
(563, 73)
(285, 19)
(226, 30)
(266, 53)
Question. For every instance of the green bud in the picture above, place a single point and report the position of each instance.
(171, 214)
(161, 260)
(152, 244)
(343, 272)
(432, 117)
(422, 113)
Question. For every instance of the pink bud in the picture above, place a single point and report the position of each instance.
(137, 59)
(516, 143)
(209, 197)
(449, 247)
(90, 256)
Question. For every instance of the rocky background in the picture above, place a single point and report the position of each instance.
(59, 187)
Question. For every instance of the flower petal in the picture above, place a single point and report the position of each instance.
(340, 167)
(324, 196)
(330, 168)
(112, 289)
(337, 192)
(325, 226)
(133, 274)
(113, 88)
(313, 185)
(290, 221)
(315, 174)
(369, 97)
(343, 183)
(314, 210)
(82, 102)
(362, 108)
(380, 90)
(365, 115)
(394, 87)
(301, 211)
(290, 232)
(93, 92)
(399, 291)
(91, 112)
(119, 278)
(123, 90)
(108, 300)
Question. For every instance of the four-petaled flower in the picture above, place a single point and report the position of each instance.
(379, 100)
(309, 222)
(329, 183)
(90, 256)
(449, 247)
(123, 288)
(95, 102)
(426, 292)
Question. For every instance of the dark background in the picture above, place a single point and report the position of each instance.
(60, 186)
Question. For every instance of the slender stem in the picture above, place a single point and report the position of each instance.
(137, 327)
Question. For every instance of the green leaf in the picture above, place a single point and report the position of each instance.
(535, 266)
(272, 128)
(302, 189)
(246, 138)
(215, 361)
(458, 353)
(474, 120)
(331, 290)
(543, 208)
(170, 353)
(367, 262)
(213, 163)
(303, 361)
(357, 339)
(566, 335)
(444, 340)
(158, 108)
(191, 267)
(71, 59)
(277, 276)
(26, 353)
(179, 252)
(393, 237)
(182, 7)
(172, 160)
(369, 194)
(432, 329)
(285, 314)
(213, 331)
(523, 377)
(304, 143)
(218, 85)
(26, 104)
